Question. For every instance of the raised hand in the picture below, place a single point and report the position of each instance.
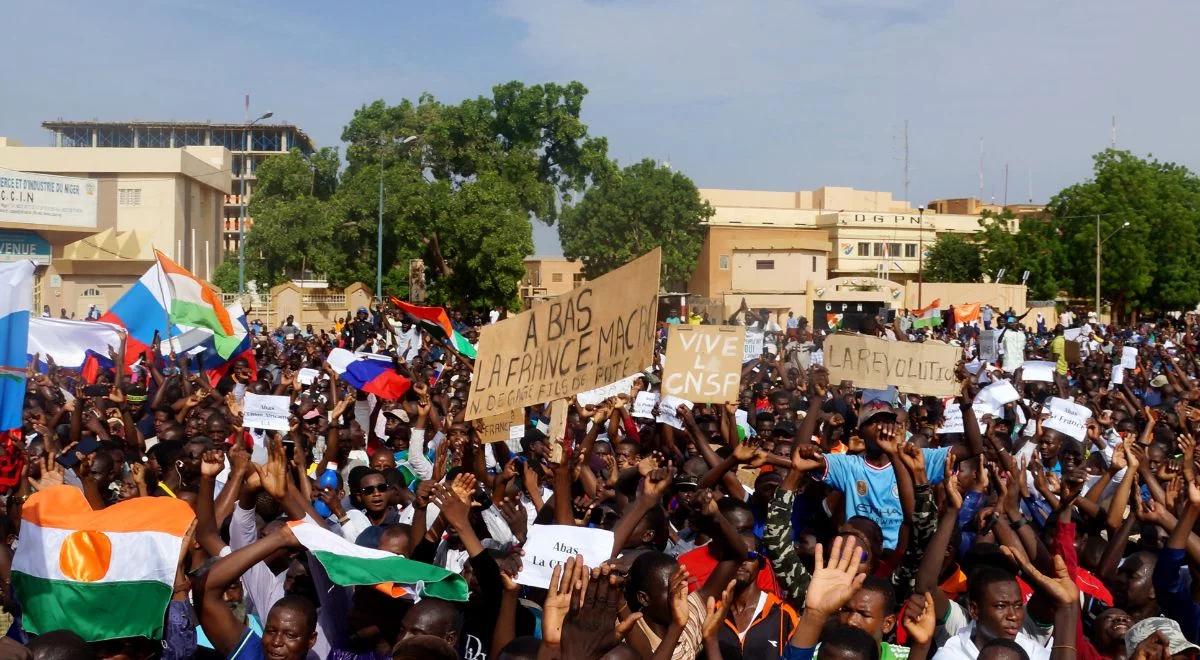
(1060, 587)
(211, 463)
(274, 472)
(565, 579)
(717, 609)
(678, 590)
(464, 487)
(807, 457)
(588, 631)
(954, 496)
(52, 474)
(835, 581)
(515, 516)
(920, 619)
(453, 508)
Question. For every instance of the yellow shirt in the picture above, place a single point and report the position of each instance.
(1058, 348)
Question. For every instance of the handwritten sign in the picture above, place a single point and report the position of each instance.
(548, 546)
(705, 362)
(264, 411)
(753, 346)
(666, 410)
(1068, 418)
(497, 428)
(926, 368)
(989, 349)
(1040, 371)
(643, 405)
(598, 333)
(597, 396)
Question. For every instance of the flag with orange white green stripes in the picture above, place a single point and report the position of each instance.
(102, 574)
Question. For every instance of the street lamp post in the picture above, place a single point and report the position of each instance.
(379, 234)
(242, 202)
(1100, 242)
(920, 254)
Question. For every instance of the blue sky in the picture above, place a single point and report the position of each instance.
(772, 95)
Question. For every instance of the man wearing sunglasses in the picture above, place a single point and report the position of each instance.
(372, 506)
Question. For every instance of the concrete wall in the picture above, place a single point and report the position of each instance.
(1000, 296)
(789, 267)
(714, 277)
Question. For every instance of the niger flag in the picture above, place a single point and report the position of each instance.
(102, 574)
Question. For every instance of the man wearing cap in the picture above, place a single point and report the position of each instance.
(1155, 633)
(360, 331)
(869, 481)
(1159, 389)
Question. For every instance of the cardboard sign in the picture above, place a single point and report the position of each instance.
(868, 362)
(497, 428)
(264, 411)
(705, 362)
(666, 410)
(1129, 356)
(1068, 418)
(558, 420)
(1037, 371)
(598, 333)
(643, 405)
(989, 348)
(548, 546)
(1073, 354)
(600, 394)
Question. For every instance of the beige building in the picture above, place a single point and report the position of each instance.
(775, 250)
(248, 148)
(546, 277)
(170, 199)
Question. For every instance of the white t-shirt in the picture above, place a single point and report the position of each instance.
(960, 646)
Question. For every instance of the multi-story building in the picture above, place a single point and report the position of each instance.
(248, 146)
(775, 250)
(546, 277)
(92, 246)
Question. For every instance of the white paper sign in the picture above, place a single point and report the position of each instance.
(952, 418)
(1068, 418)
(988, 347)
(753, 348)
(262, 411)
(548, 546)
(1073, 334)
(518, 432)
(1129, 355)
(1118, 375)
(995, 396)
(1039, 371)
(666, 410)
(643, 405)
(597, 396)
(307, 376)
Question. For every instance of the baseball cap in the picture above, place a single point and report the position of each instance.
(1159, 381)
(1170, 629)
(874, 411)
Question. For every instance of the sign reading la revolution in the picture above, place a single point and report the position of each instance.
(926, 368)
(596, 334)
(43, 199)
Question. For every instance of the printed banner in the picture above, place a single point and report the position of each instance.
(265, 411)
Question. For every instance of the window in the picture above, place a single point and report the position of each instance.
(154, 137)
(76, 136)
(764, 264)
(864, 249)
(878, 249)
(231, 139)
(91, 292)
(556, 277)
(114, 136)
(724, 262)
(814, 263)
(910, 249)
(577, 279)
(264, 140)
(129, 196)
(189, 137)
(893, 249)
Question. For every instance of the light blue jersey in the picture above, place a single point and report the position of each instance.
(871, 492)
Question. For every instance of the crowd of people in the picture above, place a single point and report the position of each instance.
(807, 518)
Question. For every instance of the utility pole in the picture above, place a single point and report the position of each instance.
(1006, 184)
(906, 178)
(981, 170)
(1097, 268)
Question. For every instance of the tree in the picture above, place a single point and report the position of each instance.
(1149, 264)
(631, 212)
(463, 194)
(953, 258)
(1036, 248)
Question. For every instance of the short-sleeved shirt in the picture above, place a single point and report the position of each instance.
(872, 492)
(249, 648)
(1058, 348)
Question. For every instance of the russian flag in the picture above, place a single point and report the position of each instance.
(142, 311)
(370, 373)
(16, 297)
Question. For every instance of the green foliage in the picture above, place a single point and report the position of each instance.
(1149, 264)
(630, 213)
(225, 276)
(1036, 248)
(953, 258)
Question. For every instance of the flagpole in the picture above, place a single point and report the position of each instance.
(163, 292)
